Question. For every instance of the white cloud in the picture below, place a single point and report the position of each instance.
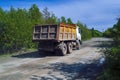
(93, 12)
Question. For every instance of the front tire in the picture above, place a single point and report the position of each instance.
(78, 44)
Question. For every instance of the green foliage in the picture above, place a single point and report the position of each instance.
(49, 18)
(15, 30)
(112, 71)
(113, 32)
(107, 33)
(85, 32)
(69, 21)
(34, 14)
(96, 33)
(63, 20)
(16, 27)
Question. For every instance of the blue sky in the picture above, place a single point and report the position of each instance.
(100, 14)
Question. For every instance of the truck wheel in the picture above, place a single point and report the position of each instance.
(81, 42)
(77, 44)
(61, 49)
(69, 47)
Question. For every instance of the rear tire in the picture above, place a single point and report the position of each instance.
(61, 49)
(69, 47)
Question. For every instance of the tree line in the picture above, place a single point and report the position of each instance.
(16, 27)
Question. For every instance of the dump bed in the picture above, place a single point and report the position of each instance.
(56, 32)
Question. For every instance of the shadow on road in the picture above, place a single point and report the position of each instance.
(77, 71)
(102, 44)
(34, 54)
(74, 71)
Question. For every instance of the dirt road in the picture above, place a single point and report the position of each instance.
(83, 64)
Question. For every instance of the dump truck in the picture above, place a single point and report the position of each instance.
(59, 38)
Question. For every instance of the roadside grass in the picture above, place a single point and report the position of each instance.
(24, 50)
(112, 64)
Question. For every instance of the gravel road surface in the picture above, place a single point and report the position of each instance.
(83, 64)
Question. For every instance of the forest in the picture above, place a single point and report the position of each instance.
(16, 27)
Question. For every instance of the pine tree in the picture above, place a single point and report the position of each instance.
(69, 21)
(63, 20)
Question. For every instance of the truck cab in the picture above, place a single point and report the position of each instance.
(78, 33)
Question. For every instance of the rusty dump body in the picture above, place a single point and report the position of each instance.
(54, 32)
